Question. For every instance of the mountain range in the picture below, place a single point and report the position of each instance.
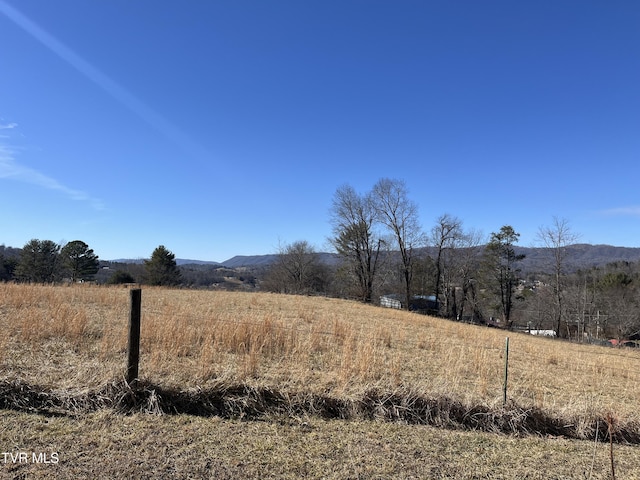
(579, 256)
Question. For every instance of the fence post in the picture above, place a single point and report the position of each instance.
(133, 354)
(506, 372)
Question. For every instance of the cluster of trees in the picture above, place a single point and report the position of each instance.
(160, 269)
(364, 225)
(383, 249)
(44, 261)
(367, 226)
(595, 303)
(297, 270)
(382, 246)
(8, 262)
(216, 276)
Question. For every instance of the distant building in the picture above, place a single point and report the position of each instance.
(543, 333)
(391, 300)
(419, 303)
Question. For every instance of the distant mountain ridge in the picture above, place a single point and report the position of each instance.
(179, 261)
(250, 261)
(266, 260)
(579, 256)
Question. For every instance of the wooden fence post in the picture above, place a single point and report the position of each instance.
(133, 355)
(506, 372)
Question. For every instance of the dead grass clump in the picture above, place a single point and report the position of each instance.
(243, 400)
(250, 363)
(552, 360)
(36, 324)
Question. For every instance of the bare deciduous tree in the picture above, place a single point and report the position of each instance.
(353, 217)
(297, 270)
(445, 236)
(468, 266)
(557, 238)
(400, 216)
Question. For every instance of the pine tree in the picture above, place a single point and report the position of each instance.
(161, 268)
(79, 261)
(501, 263)
(39, 262)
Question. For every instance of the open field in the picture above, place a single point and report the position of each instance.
(70, 342)
(140, 446)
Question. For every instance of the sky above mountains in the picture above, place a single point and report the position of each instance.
(224, 128)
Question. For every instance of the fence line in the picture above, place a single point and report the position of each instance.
(310, 325)
(595, 366)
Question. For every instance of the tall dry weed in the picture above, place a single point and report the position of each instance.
(250, 363)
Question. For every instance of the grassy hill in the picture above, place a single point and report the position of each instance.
(300, 363)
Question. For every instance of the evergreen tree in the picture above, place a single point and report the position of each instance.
(7, 267)
(501, 263)
(79, 261)
(39, 262)
(161, 268)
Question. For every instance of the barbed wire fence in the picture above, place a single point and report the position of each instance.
(134, 339)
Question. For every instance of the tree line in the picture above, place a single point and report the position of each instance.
(45, 261)
(380, 241)
(382, 249)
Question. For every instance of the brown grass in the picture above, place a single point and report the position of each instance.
(107, 445)
(73, 339)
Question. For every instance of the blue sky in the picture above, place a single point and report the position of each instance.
(222, 128)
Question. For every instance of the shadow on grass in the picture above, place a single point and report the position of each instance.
(241, 401)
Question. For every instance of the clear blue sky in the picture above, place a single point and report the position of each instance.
(222, 128)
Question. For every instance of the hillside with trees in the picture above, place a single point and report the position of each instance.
(575, 290)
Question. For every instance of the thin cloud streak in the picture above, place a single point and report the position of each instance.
(11, 170)
(631, 211)
(122, 95)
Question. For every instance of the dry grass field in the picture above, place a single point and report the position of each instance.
(70, 341)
